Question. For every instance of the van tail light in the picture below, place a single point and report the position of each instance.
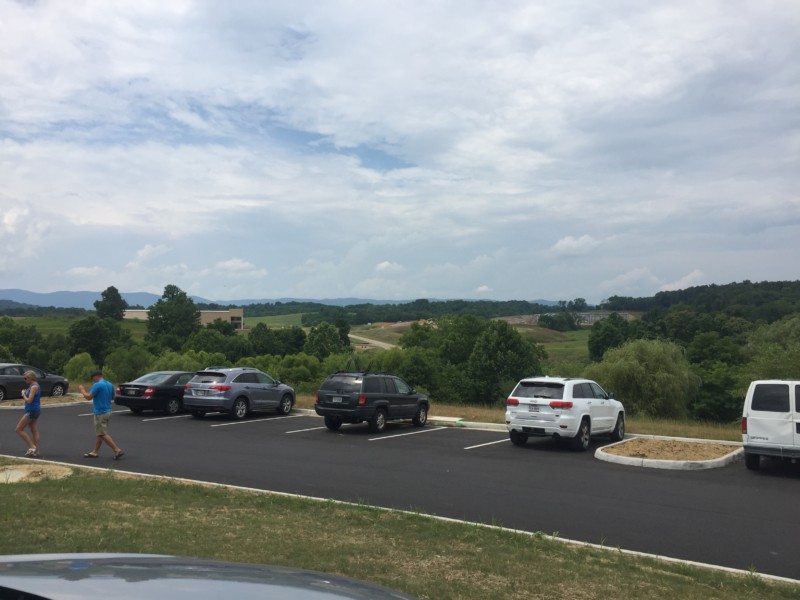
(744, 425)
(362, 400)
(220, 388)
(148, 392)
(512, 402)
(560, 404)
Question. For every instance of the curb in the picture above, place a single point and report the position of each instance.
(684, 465)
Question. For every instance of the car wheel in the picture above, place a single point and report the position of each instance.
(517, 438)
(136, 411)
(198, 414)
(421, 417)
(752, 461)
(2, 394)
(285, 405)
(58, 390)
(581, 439)
(239, 410)
(333, 423)
(378, 421)
(619, 429)
(173, 406)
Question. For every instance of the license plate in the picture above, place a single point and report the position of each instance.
(199, 392)
(533, 408)
(336, 399)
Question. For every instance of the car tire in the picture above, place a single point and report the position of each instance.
(421, 417)
(58, 390)
(618, 434)
(517, 438)
(239, 409)
(285, 405)
(333, 423)
(2, 394)
(198, 414)
(173, 406)
(581, 440)
(378, 421)
(752, 461)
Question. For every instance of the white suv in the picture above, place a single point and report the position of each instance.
(560, 407)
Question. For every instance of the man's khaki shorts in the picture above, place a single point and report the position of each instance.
(101, 423)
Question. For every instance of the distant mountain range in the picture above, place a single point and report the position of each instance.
(86, 300)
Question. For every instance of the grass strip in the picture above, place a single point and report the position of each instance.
(104, 511)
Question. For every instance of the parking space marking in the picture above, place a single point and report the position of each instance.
(256, 420)
(387, 437)
(488, 444)
(168, 417)
(113, 411)
(315, 428)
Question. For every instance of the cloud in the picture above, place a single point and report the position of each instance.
(473, 149)
(571, 246)
(689, 280)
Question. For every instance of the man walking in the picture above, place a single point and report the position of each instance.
(101, 395)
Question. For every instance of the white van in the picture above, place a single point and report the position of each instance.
(771, 421)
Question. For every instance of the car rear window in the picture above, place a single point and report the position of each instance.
(153, 378)
(342, 383)
(771, 397)
(208, 378)
(539, 389)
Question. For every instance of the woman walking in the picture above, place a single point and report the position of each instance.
(32, 396)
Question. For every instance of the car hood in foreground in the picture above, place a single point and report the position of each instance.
(152, 577)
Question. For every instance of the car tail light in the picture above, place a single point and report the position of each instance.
(744, 425)
(512, 402)
(560, 404)
(362, 400)
(148, 392)
(219, 388)
(316, 397)
(119, 393)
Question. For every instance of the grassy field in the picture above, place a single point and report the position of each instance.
(422, 556)
(275, 321)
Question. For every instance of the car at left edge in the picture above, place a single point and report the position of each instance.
(12, 382)
(159, 390)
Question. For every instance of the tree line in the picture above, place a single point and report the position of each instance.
(680, 361)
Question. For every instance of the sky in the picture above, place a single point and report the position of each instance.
(442, 149)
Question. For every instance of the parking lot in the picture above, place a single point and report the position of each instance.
(477, 475)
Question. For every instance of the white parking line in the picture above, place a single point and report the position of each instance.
(387, 437)
(113, 411)
(169, 417)
(256, 420)
(488, 444)
(309, 429)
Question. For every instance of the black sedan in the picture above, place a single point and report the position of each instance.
(12, 383)
(160, 390)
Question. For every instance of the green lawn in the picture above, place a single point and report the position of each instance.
(91, 511)
(274, 321)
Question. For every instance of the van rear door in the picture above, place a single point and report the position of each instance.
(771, 420)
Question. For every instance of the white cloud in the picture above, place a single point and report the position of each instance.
(689, 280)
(447, 149)
(571, 246)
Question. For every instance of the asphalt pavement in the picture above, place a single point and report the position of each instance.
(726, 516)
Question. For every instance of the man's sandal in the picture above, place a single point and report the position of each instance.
(90, 455)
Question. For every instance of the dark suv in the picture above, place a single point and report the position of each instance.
(236, 391)
(353, 397)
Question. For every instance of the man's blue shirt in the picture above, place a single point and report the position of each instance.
(102, 394)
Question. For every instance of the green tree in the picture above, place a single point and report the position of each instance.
(172, 319)
(324, 339)
(128, 363)
(80, 367)
(292, 339)
(111, 304)
(607, 333)
(22, 340)
(97, 336)
(499, 359)
(650, 377)
(224, 327)
(265, 340)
